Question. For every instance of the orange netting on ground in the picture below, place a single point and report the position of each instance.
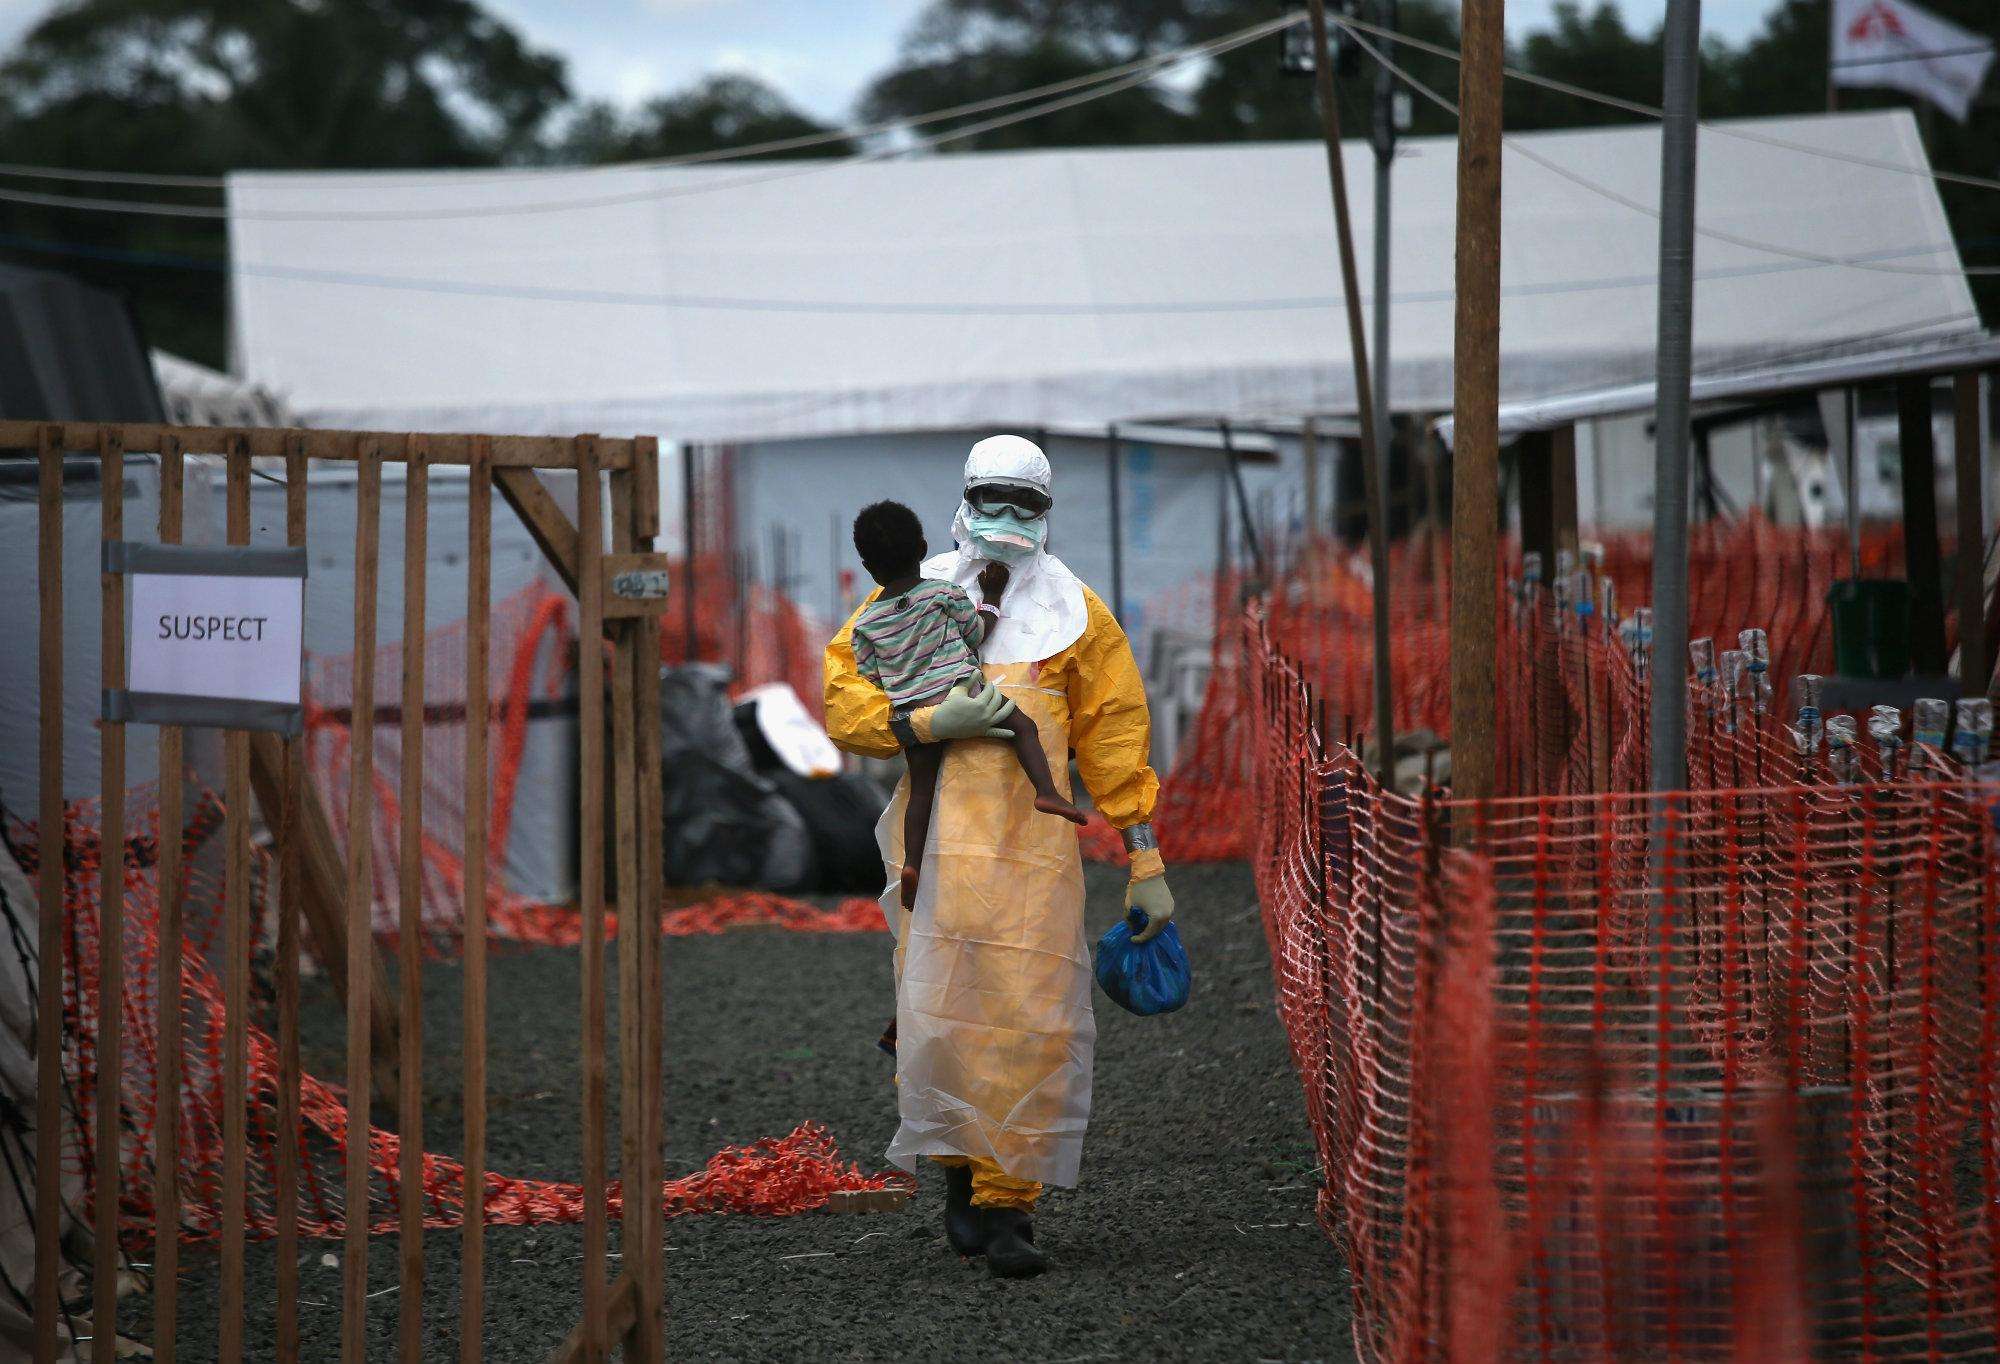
(533, 657)
(1320, 611)
(787, 1175)
(532, 666)
(1708, 1076)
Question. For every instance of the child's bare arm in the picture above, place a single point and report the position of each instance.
(970, 621)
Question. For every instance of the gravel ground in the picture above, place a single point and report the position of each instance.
(1190, 1238)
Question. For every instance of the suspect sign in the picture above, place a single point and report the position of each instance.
(215, 636)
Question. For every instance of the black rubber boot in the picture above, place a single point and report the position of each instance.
(964, 1225)
(1010, 1245)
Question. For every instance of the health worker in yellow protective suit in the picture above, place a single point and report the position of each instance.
(994, 1033)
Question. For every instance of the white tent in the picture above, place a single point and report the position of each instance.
(788, 299)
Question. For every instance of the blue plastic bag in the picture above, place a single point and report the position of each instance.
(1146, 978)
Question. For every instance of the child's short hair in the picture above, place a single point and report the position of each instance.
(890, 540)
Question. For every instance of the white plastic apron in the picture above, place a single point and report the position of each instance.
(994, 1031)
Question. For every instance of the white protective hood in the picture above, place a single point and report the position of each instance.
(1043, 612)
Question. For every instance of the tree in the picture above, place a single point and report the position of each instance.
(719, 112)
(205, 86)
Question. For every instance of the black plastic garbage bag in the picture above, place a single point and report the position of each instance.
(839, 814)
(723, 821)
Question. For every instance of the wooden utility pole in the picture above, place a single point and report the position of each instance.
(1375, 472)
(1475, 483)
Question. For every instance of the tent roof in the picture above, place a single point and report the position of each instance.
(1750, 384)
(772, 299)
(70, 352)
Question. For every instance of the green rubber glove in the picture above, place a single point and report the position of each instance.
(962, 715)
(1151, 898)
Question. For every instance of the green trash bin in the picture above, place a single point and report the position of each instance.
(1871, 627)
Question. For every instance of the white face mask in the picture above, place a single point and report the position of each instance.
(1004, 537)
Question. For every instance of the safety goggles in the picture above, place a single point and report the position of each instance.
(993, 498)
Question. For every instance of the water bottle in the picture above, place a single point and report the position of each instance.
(1841, 756)
(1975, 731)
(1701, 660)
(1929, 719)
(1757, 663)
(1885, 727)
(1642, 640)
(1806, 688)
(1732, 687)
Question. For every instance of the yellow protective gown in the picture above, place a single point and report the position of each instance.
(993, 980)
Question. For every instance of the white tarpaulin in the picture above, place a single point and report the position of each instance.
(766, 300)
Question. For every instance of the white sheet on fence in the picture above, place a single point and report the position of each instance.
(768, 299)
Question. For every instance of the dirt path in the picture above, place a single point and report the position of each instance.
(1190, 1237)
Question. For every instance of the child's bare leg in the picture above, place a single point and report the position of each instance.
(1028, 748)
(924, 761)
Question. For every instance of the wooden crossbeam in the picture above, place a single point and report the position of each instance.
(323, 894)
(522, 452)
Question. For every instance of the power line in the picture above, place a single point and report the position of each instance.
(1652, 211)
(1094, 88)
(866, 307)
(802, 142)
(1653, 111)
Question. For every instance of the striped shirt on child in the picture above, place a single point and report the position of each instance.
(919, 644)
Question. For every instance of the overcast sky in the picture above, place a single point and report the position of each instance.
(820, 53)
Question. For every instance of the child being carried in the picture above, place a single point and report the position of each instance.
(918, 641)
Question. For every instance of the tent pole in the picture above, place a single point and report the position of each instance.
(688, 523)
(1376, 471)
(1385, 157)
(1974, 669)
(1475, 480)
(1918, 457)
(1676, 323)
(1853, 471)
(1111, 462)
(1309, 458)
(1242, 501)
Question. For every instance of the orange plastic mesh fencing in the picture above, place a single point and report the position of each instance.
(533, 658)
(771, 1177)
(1747, 573)
(1561, 1115)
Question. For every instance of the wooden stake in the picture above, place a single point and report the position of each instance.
(323, 897)
(360, 905)
(590, 893)
(631, 912)
(235, 971)
(53, 851)
(1476, 404)
(291, 894)
(651, 1302)
(410, 904)
(111, 923)
(167, 997)
(478, 645)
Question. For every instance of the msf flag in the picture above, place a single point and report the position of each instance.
(1893, 43)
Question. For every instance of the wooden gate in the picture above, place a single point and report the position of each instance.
(325, 892)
